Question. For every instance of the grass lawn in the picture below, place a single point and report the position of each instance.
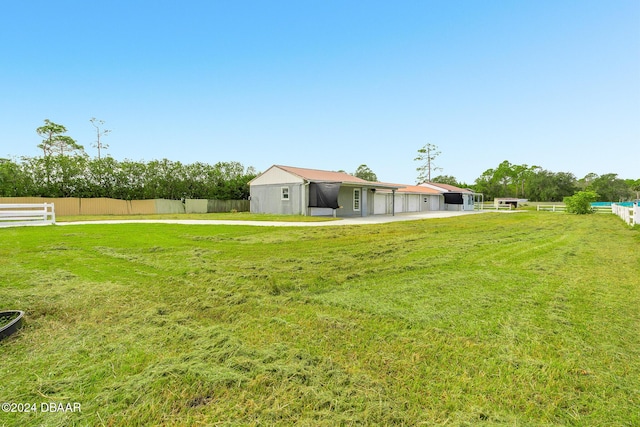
(482, 320)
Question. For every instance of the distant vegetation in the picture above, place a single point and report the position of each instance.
(66, 170)
(538, 184)
(81, 176)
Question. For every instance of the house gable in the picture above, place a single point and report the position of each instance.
(318, 175)
(276, 175)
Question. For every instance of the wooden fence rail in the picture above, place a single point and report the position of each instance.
(13, 214)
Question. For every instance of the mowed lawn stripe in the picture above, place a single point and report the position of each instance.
(493, 319)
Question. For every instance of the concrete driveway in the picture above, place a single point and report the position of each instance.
(373, 219)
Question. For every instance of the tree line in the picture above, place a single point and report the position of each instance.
(81, 176)
(65, 170)
(532, 182)
(538, 184)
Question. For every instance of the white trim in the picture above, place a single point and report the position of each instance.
(284, 193)
(358, 199)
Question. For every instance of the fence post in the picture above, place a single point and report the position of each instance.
(53, 212)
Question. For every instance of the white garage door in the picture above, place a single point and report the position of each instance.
(413, 203)
(379, 203)
(399, 207)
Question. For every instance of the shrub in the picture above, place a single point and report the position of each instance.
(580, 202)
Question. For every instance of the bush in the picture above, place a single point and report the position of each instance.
(580, 202)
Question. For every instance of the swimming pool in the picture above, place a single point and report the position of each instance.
(607, 204)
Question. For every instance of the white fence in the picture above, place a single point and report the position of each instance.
(630, 215)
(563, 208)
(489, 206)
(553, 208)
(27, 214)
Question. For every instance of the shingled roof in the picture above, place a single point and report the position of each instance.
(318, 175)
(446, 188)
(321, 175)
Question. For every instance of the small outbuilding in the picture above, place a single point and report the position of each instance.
(510, 202)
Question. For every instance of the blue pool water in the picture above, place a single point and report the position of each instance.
(604, 204)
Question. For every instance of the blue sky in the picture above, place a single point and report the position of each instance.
(331, 84)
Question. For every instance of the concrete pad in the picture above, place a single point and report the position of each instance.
(373, 219)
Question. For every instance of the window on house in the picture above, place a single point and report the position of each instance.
(356, 199)
(285, 193)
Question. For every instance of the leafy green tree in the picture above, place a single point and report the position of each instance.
(12, 180)
(55, 142)
(498, 182)
(634, 186)
(72, 170)
(447, 179)
(426, 156)
(487, 185)
(364, 172)
(164, 179)
(547, 186)
(130, 180)
(580, 202)
(610, 188)
(585, 182)
(232, 180)
(54, 176)
(522, 174)
(101, 177)
(55, 147)
(504, 174)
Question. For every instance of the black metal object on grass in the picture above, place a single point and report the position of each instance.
(10, 322)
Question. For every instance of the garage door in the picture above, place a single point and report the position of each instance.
(380, 203)
(413, 203)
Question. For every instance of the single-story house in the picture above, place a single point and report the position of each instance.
(299, 191)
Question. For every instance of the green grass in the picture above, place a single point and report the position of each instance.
(482, 320)
(235, 216)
